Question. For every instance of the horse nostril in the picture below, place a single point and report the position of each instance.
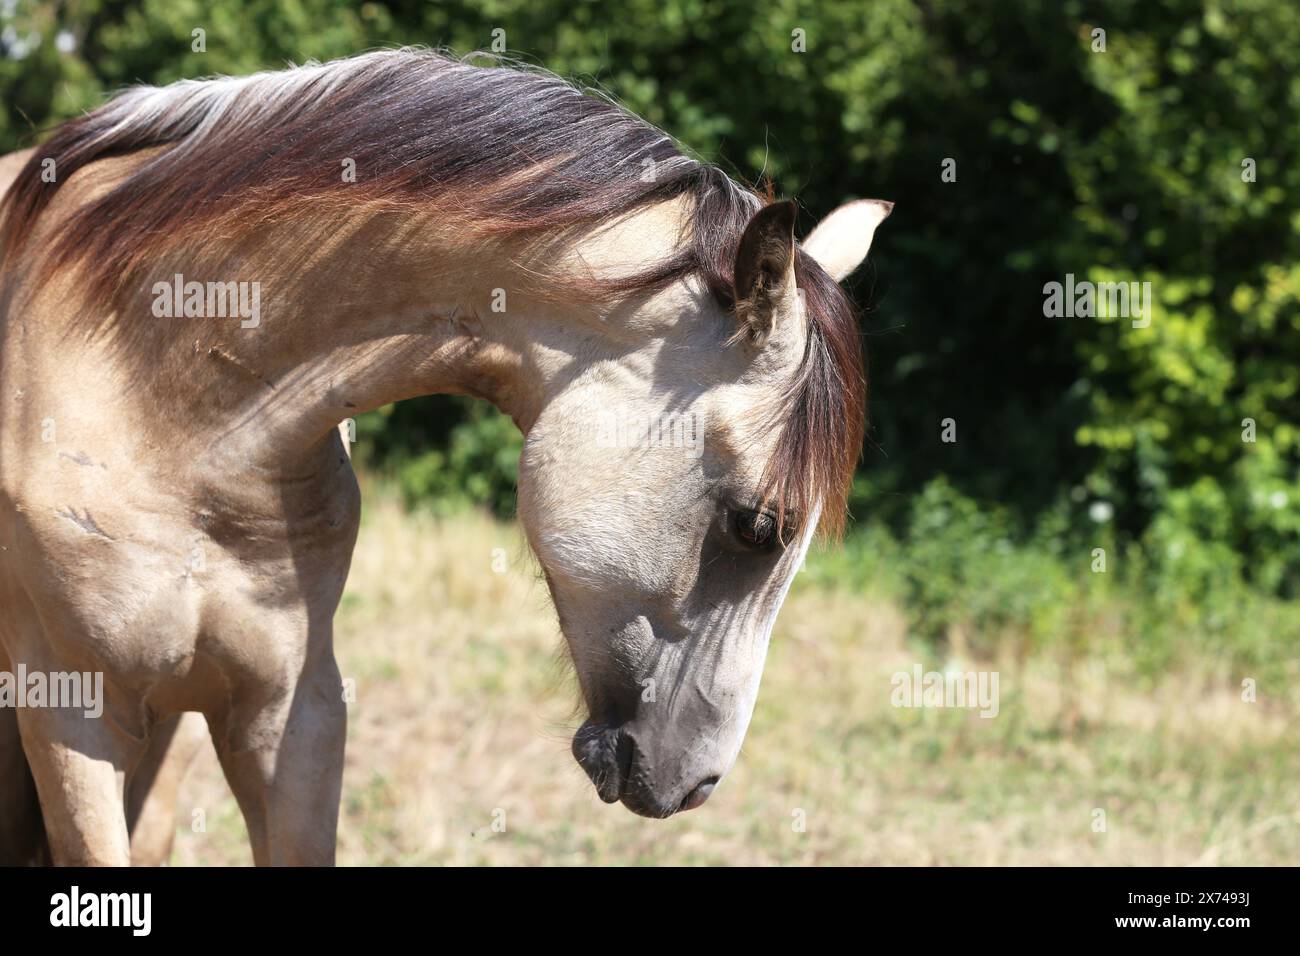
(701, 793)
(607, 755)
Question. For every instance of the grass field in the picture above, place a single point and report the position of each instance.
(459, 735)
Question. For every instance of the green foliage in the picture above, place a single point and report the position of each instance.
(1118, 165)
(971, 579)
(473, 461)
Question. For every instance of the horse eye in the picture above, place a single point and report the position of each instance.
(756, 529)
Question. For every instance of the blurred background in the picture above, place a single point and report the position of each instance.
(1160, 690)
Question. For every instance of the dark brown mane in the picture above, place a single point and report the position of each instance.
(427, 130)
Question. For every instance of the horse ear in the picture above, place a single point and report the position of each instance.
(764, 273)
(841, 240)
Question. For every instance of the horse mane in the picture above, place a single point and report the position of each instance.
(497, 151)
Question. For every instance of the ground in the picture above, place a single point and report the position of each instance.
(458, 746)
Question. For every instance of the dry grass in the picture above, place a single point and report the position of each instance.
(464, 711)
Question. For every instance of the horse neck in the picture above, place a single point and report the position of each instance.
(357, 312)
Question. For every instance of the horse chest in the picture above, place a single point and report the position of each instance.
(142, 594)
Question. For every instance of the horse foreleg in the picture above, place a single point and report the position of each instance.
(79, 765)
(155, 783)
(284, 762)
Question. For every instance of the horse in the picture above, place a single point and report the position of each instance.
(201, 281)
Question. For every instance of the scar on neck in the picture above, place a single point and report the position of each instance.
(217, 352)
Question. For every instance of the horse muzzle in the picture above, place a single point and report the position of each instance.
(616, 765)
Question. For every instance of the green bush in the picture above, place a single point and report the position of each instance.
(1066, 586)
(473, 460)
